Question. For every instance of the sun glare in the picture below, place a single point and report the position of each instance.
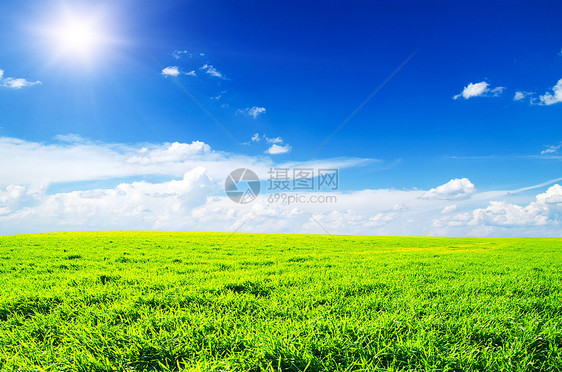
(78, 36)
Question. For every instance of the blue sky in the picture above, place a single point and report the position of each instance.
(293, 71)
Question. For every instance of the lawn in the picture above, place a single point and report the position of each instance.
(171, 301)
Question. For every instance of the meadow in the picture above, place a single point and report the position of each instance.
(182, 301)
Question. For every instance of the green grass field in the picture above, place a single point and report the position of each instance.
(167, 301)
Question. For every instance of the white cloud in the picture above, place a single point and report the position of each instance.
(139, 204)
(18, 83)
(277, 149)
(38, 193)
(15, 83)
(209, 69)
(552, 98)
(449, 209)
(274, 140)
(455, 189)
(351, 222)
(70, 137)
(74, 159)
(497, 91)
(173, 71)
(521, 95)
(175, 152)
(551, 149)
(545, 210)
(253, 111)
(216, 98)
(481, 89)
(177, 54)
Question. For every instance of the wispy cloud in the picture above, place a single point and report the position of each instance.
(253, 112)
(449, 209)
(481, 89)
(219, 96)
(273, 140)
(178, 54)
(551, 149)
(209, 69)
(15, 83)
(79, 159)
(521, 95)
(71, 138)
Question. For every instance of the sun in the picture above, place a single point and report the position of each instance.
(78, 35)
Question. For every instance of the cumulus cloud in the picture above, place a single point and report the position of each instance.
(546, 209)
(550, 98)
(209, 69)
(180, 186)
(191, 202)
(481, 89)
(140, 204)
(455, 189)
(173, 71)
(256, 137)
(352, 222)
(176, 152)
(278, 149)
(15, 83)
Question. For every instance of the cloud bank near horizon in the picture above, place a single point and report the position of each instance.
(192, 197)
